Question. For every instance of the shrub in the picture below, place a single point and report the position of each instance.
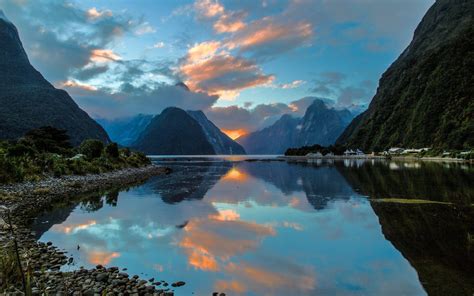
(48, 139)
(91, 148)
(112, 150)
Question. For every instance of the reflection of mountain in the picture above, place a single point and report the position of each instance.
(321, 184)
(435, 240)
(60, 212)
(188, 181)
(413, 180)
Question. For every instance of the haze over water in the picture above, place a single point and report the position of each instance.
(276, 228)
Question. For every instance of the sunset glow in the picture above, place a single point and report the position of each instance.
(234, 134)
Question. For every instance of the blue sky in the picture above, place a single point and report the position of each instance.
(246, 62)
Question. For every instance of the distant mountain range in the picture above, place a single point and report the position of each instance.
(426, 97)
(320, 125)
(126, 130)
(28, 100)
(174, 132)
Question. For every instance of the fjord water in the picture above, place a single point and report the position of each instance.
(278, 228)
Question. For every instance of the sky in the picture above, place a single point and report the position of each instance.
(246, 62)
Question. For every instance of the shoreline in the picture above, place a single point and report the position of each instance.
(370, 157)
(44, 260)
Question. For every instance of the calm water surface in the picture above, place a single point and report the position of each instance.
(276, 228)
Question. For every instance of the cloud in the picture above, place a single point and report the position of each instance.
(293, 84)
(104, 56)
(61, 38)
(270, 36)
(346, 93)
(131, 100)
(230, 22)
(210, 69)
(208, 8)
(145, 28)
(234, 119)
(93, 13)
(160, 44)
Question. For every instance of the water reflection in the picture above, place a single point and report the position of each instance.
(273, 228)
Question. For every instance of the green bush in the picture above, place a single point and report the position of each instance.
(112, 150)
(91, 148)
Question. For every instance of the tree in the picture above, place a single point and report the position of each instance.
(48, 139)
(91, 148)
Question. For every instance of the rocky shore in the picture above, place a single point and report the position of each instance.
(42, 261)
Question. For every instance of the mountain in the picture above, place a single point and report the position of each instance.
(179, 132)
(320, 125)
(174, 132)
(125, 131)
(28, 100)
(220, 142)
(425, 98)
(274, 139)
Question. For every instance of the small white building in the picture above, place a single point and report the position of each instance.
(349, 152)
(359, 152)
(395, 150)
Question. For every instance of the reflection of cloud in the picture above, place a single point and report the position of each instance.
(101, 257)
(226, 215)
(235, 175)
(267, 280)
(73, 228)
(205, 241)
(232, 287)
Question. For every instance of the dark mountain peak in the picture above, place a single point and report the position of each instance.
(16, 68)
(173, 110)
(186, 132)
(28, 101)
(182, 85)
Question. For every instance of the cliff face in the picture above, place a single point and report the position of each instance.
(28, 101)
(426, 97)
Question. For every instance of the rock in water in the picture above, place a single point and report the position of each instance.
(426, 97)
(28, 100)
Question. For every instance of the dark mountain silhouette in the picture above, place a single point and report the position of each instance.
(179, 132)
(29, 101)
(425, 98)
(320, 125)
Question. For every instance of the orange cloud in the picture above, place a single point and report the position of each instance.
(73, 227)
(79, 85)
(104, 56)
(229, 23)
(267, 31)
(93, 13)
(101, 257)
(202, 51)
(236, 133)
(208, 8)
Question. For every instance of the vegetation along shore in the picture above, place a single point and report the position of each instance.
(35, 177)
